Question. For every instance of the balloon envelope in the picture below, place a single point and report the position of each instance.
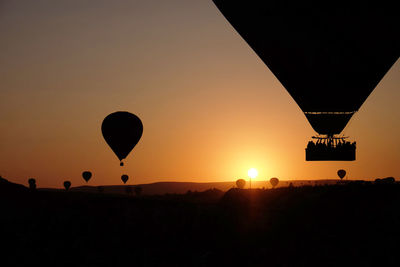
(122, 131)
(32, 183)
(328, 55)
(341, 173)
(124, 178)
(240, 183)
(274, 181)
(87, 175)
(67, 185)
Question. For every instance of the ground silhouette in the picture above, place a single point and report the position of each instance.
(355, 223)
(161, 188)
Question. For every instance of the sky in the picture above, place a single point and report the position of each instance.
(210, 107)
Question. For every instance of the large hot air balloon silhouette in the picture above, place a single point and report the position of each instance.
(328, 55)
(86, 175)
(122, 131)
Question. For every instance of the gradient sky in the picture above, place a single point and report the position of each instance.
(210, 107)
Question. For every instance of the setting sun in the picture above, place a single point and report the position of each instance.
(252, 173)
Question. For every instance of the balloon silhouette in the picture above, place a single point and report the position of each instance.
(32, 183)
(86, 175)
(240, 183)
(124, 178)
(341, 174)
(67, 185)
(329, 56)
(122, 131)
(274, 182)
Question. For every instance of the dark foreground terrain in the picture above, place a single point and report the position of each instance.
(357, 224)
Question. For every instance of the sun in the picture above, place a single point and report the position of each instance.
(252, 173)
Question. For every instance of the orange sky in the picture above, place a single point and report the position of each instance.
(210, 108)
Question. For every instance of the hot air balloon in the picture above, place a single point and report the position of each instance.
(341, 174)
(240, 183)
(328, 55)
(32, 184)
(67, 185)
(274, 182)
(122, 131)
(124, 178)
(86, 175)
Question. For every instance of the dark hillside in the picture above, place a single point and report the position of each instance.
(355, 224)
(161, 188)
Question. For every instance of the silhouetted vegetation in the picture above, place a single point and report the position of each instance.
(354, 223)
(128, 190)
(387, 180)
(138, 190)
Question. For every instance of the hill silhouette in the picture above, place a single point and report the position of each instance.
(7, 187)
(161, 188)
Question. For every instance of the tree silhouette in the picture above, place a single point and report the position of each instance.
(138, 190)
(128, 190)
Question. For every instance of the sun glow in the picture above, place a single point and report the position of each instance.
(252, 173)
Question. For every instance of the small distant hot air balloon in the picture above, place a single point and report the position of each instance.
(124, 178)
(67, 185)
(274, 182)
(240, 183)
(86, 175)
(32, 184)
(128, 190)
(122, 131)
(341, 174)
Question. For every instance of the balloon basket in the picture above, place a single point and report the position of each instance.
(331, 149)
